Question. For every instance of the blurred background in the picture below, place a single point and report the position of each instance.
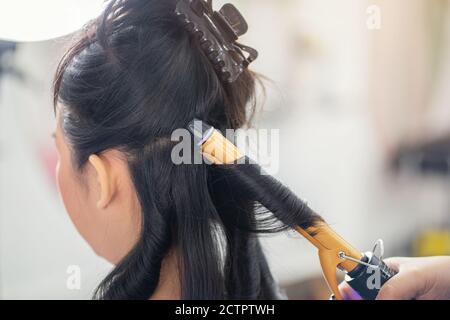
(359, 91)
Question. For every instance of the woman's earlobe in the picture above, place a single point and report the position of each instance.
(104, 179)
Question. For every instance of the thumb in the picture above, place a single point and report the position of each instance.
(407, 284)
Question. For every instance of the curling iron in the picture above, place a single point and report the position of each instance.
(365, 272)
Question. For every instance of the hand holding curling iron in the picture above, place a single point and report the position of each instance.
(417, 278)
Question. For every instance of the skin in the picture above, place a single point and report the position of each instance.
(418, 278)
(103, 205)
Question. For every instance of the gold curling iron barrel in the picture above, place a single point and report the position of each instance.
(365, 272)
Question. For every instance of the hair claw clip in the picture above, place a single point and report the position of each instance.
(218, 32)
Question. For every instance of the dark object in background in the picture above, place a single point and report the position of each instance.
(5, 47)
(432, 157)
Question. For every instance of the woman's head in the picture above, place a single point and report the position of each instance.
(100, 198)
(134, 76)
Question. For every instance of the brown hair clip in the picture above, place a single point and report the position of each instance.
(218, 33)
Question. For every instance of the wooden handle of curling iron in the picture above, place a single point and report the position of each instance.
(330, 246)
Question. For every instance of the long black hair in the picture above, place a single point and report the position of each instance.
(132, 78)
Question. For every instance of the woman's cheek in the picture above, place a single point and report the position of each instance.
(63, 189)
(57, 176)
(67, 191)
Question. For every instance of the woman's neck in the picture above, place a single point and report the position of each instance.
(169, 285)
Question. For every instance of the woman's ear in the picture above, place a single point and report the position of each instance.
(104, 179)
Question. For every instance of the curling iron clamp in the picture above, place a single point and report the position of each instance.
(365, 272)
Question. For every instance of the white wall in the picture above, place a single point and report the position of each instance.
(37, 240)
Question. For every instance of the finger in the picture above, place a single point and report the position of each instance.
(406, 285)
(396, 262)
(348, 293)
